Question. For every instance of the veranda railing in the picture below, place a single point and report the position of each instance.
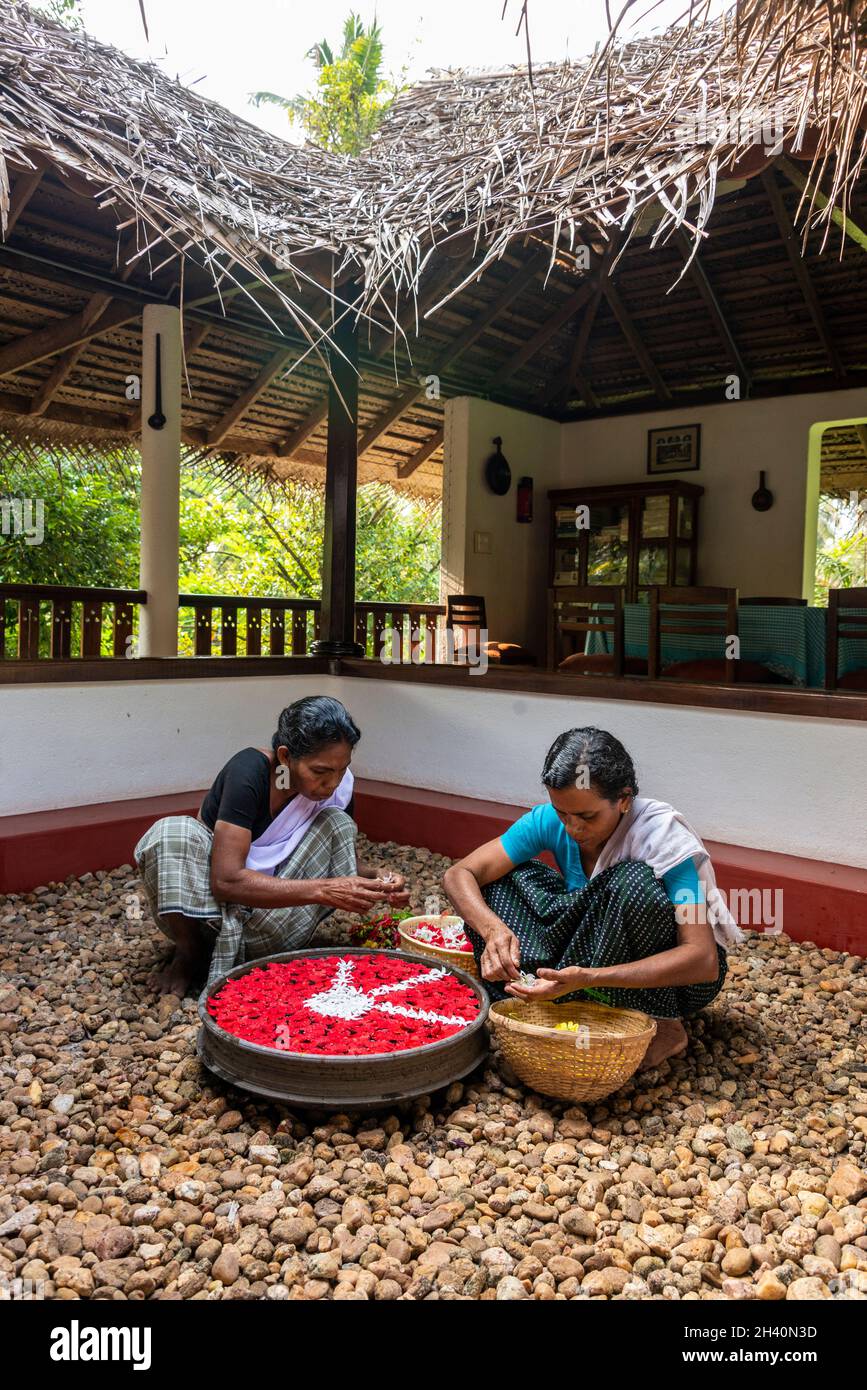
(59, 622)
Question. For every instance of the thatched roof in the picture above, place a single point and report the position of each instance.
(146, 188)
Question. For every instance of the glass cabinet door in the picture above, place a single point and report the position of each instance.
(608, 543)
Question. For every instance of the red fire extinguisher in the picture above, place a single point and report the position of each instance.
(524, 496)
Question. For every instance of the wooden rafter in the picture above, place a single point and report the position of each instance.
(808, 290)
(861, 431)
(422, 454)
(573, 375)
(712, 304)
(567, 310)
(92, 312)
(289, 447)
(465, 340)
(242, 403)
(633, 337)
(114, 422)
(68, 332)
(548, 329)
(26, 185)
(815, 195)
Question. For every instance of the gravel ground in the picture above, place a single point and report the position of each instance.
(737, 1171)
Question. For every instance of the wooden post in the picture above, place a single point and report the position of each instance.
(160, 478)
(337, 623)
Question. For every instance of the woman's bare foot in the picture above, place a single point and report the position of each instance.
(179, 973)
(189, 963)
(670, 1040)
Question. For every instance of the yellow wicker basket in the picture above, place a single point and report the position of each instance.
(565, 1064)
(464, 960)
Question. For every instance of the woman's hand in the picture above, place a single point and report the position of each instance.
(501, 958)
(352, 894)
(554, 983)
(396, 891)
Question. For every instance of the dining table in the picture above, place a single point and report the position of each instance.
(790, 641)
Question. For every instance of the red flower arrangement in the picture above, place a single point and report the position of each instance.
(344, 1005)
(378, 933)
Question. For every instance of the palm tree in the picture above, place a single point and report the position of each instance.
(352, 95)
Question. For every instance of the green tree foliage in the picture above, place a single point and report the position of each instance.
(351, 95)
(841, 555)
(234, 538)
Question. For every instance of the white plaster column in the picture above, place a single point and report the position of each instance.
(160, 479)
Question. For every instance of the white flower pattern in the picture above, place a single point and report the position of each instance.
(344, 999)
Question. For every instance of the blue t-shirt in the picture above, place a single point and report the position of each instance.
(541, 828)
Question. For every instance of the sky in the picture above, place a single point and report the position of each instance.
(229, 48)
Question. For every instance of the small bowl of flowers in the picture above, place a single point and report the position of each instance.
(440, 936)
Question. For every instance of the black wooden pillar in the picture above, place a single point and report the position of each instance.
(337, 623)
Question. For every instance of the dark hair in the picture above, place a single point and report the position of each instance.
(609, 767)
(311, 723)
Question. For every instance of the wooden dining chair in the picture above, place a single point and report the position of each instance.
(714, 614)
(466, 619)
(575, 612)
(843, 623)
(764, 602)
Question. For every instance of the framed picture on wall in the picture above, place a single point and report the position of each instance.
(674, 450)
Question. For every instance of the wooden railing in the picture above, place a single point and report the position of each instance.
(221, 619)
(407, 631)
(56, 622)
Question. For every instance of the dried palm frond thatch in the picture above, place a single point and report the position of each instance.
(562, 156)
(559, 152)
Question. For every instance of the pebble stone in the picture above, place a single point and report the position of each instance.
(737, 1171)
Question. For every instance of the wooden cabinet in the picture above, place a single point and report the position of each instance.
(634, 534)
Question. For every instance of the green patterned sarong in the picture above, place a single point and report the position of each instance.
(623, 914)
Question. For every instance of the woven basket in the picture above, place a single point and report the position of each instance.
(552, 1062)
(462, 960)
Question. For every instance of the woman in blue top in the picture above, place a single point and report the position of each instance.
(634, 915)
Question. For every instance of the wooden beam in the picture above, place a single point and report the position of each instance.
(92, 311)
(802, 275)
(572, 375)
(464, 340)
(567, 310)
(65, 333)
(262, 381)
(194, 335)
(795, 177)
(26, 185)
(633, 337)
(712, 304)
(299, 436)
(861, 431)
(421, 455)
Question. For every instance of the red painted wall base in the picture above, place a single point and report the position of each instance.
(822, 903)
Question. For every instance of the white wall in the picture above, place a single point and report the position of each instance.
(513, 577)
(73, 745)
(758, 552)
(791, 785)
